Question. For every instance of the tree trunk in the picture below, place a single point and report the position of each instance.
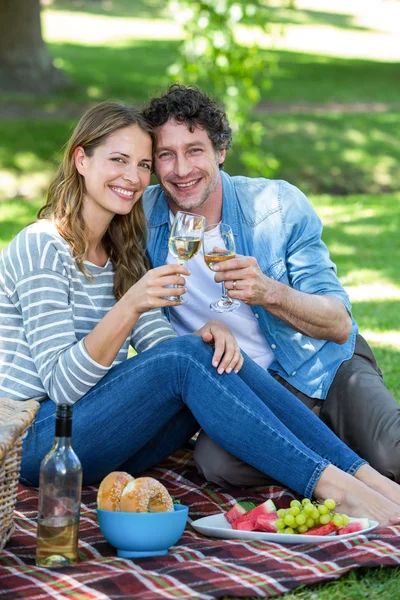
(25, 64)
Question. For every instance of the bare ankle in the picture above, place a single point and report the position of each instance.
(365, 473)
(331, 484)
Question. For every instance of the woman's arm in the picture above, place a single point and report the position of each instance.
(105, 340)
(37, 272)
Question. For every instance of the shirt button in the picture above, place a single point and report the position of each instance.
(273, 346)
(257, 316)
(294, 373)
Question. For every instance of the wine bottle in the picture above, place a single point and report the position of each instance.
(60, 489)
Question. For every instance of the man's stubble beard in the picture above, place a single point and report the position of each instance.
(196, 202)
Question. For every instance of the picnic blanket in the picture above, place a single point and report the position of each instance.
(198, 567)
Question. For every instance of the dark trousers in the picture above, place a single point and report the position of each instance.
(358, 408)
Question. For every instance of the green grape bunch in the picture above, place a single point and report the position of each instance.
(302, 516)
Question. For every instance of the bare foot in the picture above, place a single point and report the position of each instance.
(373, 479)
(356, 499)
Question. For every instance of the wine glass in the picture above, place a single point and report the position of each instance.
(219, 245)
(185, 240)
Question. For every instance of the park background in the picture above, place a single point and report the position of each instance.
(312, 88)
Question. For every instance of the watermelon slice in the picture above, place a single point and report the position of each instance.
(245, 525)
(266, 523)
(354, 526)
(265, 508)
(238, 510)
(322, 529)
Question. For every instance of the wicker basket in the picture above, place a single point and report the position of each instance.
(15, 418)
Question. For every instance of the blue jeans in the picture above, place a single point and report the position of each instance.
(149, 406)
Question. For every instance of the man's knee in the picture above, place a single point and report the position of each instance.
(220, 467)
(212, 461)
(386, 460)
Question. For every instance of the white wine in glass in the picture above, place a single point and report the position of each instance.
(219, 245)
(185, 240)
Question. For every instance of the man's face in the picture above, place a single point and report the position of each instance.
(187, 167)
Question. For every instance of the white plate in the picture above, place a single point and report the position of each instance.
(217, 526)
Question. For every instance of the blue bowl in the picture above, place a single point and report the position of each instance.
(142, 534)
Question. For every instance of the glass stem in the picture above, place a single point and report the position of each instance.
(225, 297)
(176, 285)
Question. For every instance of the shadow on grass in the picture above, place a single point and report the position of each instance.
(322, 78)
(135, 69)
(331, 152)
(334, 153)
(32, 146)
(297, 16)
(158, 9)
(130, 72)
(369, 243)
(142, 9)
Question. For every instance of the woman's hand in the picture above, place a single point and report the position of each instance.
(227, 356)
(150, 291)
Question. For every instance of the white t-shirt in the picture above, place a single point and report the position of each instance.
(201, 291)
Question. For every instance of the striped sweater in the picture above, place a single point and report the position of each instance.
(47, 307)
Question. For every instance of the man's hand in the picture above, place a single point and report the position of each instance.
(245, 281)
(319, 316)
(227, 356)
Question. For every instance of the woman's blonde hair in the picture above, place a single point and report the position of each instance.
(125, 239)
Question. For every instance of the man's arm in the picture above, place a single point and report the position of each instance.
(311, 299)
(318, 316)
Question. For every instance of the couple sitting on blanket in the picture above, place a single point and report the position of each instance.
(306, 405)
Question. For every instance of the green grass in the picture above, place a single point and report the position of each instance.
(332, 152)
(320, 152)
(335, 153)
(319, 78)
(115, 8)
(134, 69)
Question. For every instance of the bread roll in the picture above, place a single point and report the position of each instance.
(145, 494)
(110, 490)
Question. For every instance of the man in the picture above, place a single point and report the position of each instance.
(295, 317)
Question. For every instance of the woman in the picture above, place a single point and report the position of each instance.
(74, 292)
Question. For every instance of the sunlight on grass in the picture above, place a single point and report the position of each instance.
(373, 291)
(341, 249)
(362, 35)
(389, 339)
(95, 29)
(365, 37)
(28, 185)
(362, 279)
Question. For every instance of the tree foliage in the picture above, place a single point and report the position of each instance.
(234, 73)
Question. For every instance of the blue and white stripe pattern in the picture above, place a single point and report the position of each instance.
(47, 307)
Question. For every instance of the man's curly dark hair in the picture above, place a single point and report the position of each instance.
(189, 105)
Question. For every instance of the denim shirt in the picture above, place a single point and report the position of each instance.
(274, 222)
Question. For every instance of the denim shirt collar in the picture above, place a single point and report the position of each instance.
(230, 205)
(160, 213)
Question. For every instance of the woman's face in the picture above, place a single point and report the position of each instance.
(116, 174)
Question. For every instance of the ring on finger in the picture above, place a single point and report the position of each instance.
(234, 284)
